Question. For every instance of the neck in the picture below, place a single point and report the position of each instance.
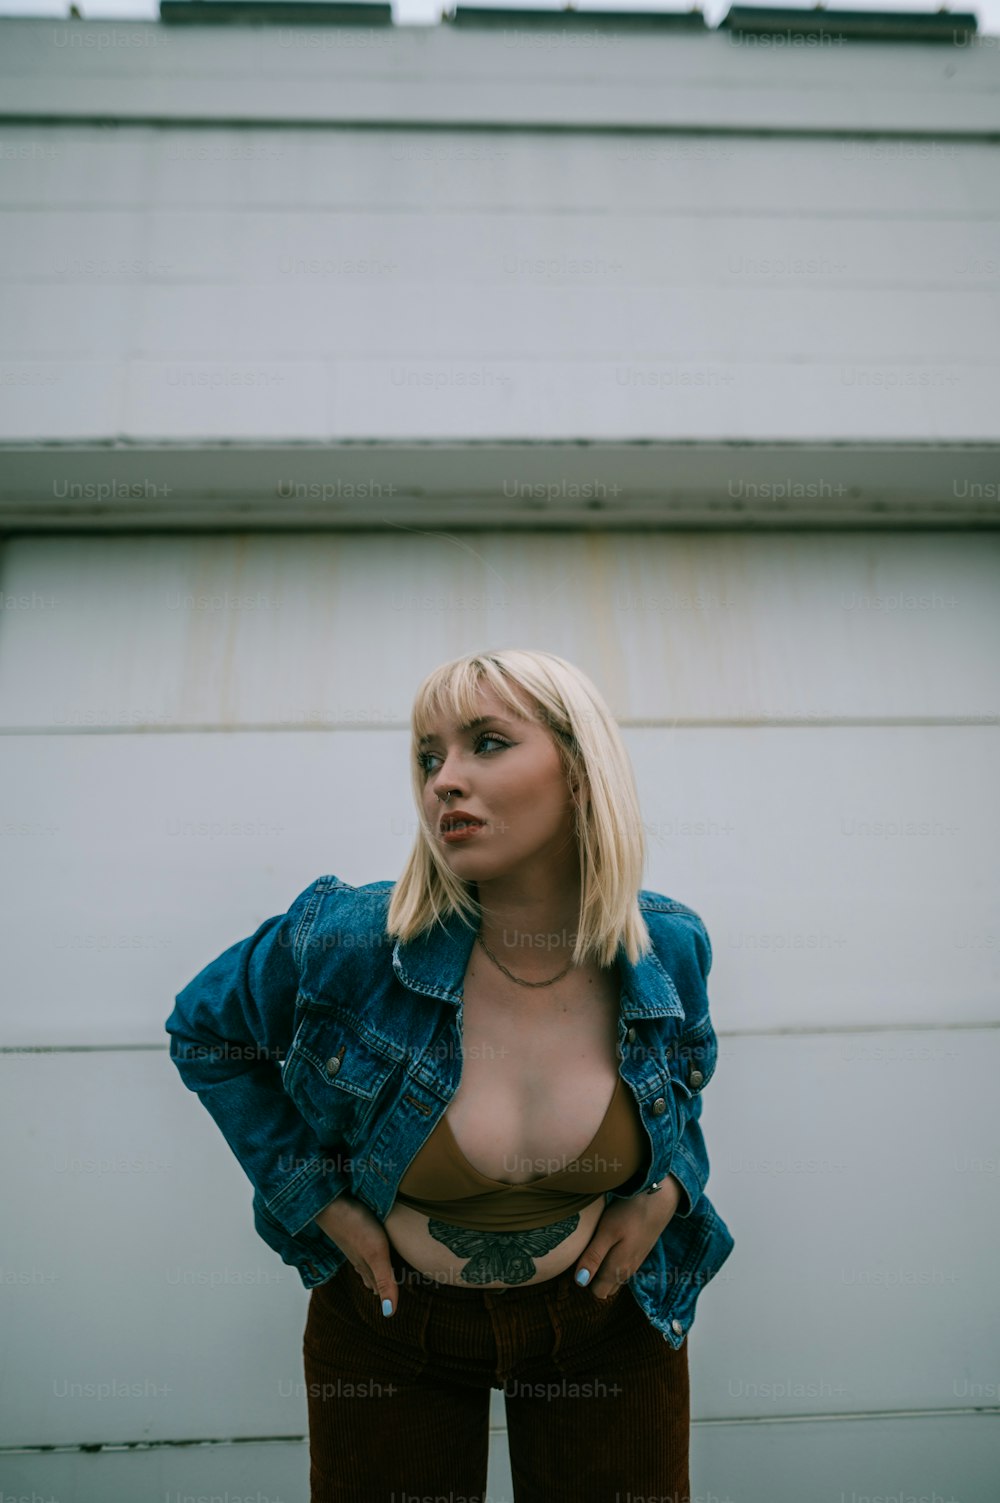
(531, 930)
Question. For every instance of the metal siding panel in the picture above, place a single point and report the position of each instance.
(260, 630)
(219, 169)
(672, 336)
(913, 1456)
(598, 76)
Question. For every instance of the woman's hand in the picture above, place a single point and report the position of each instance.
(624, 1235)
(362, 1239)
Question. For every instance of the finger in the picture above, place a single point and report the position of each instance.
(608, 1281)
(386, 1288)
(605, 1291)
(589, 1265)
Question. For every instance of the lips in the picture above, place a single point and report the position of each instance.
(459, 822)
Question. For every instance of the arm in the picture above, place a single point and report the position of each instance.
(229, 1028)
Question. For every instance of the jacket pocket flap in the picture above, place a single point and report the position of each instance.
(332, 1048)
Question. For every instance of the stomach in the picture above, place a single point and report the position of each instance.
(491, 1259)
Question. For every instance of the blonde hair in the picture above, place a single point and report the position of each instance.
(610, 839)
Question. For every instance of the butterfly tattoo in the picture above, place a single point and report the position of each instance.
(508, 1256)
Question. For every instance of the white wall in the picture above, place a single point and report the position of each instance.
(335, 284)
(781, 265)
(814, 759)
(193, 712)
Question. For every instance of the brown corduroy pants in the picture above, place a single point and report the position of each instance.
(597, 1401)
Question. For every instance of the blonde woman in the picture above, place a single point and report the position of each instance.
(469, 1103)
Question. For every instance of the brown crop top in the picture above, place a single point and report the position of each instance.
(441, 1182)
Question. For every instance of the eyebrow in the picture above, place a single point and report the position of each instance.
(471, 726)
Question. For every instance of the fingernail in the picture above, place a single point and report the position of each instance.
(583, 1277)
(387, 1307)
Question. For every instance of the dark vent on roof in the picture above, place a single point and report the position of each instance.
(866, 25)
(616, 20)
(274, 12)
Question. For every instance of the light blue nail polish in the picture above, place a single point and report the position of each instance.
(583, 1277)
(387, 1307)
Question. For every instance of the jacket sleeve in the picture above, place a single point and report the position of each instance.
(693, 1066)
(690, 1162)
(229, 1029)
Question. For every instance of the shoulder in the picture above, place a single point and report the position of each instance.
(329, 904)
(658, 902)
(332, 884)
(334, 892)
(337, 930)
(678, 932)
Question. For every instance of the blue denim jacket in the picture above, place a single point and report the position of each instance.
(326, 1053)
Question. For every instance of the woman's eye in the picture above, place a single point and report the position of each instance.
(424, 756)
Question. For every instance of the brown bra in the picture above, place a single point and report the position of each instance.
(440, 1181)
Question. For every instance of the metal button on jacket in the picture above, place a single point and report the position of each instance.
(631, 1035)
(659, 1106)
(654, 1186)
(696, 1077)
(333, 1065)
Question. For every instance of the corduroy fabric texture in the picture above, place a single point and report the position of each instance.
(597, 1402)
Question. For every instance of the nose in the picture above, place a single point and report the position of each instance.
(446, 779)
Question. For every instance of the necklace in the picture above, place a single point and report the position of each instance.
(518, 979)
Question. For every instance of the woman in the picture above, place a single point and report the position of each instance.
(492, 1248)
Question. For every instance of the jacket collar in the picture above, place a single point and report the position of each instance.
(435, 963)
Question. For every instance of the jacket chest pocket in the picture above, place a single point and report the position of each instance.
(337, 1076)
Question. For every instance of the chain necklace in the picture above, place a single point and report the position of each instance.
(518, 979)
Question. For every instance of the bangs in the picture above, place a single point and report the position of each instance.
(452, 693)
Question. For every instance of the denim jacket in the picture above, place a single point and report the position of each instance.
(326, 1052)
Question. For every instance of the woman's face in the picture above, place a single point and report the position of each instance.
(507, 773)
